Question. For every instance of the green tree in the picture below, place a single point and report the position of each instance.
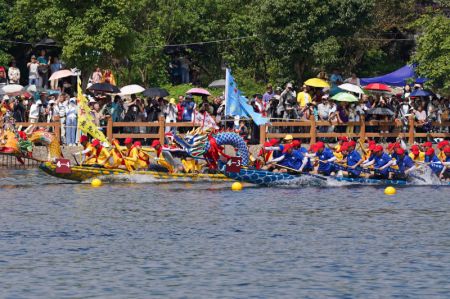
(301, 35)
(433, 50)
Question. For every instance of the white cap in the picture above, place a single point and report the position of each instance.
(91, 99)
(73, 100)
(6, 97)
(38, 102)
(51, 102)
(289, 85)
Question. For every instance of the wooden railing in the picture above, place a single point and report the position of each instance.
(314, 134)
(310, 127)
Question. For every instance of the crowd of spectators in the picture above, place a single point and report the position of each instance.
(56, 101)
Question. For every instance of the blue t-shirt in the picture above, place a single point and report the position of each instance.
(405, 163)
(382, 160)
(323, 156)
(352, 159)
(436, 165)
(292, 160)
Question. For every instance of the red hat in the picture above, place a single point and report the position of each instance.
(378, 148)
(137, 143)
(128, 141)
(343, 148)
(287, 147)
(427, 144)
(429, 152)
(83, 138)
(447, 150)
(372, 146)
(415, 149)
(352, 143)
(343, 138)
(372, 142)
(95, 142)
(273, 141)
(312, 148)
(2, 68)
(443, 144)
(155, 143)
(296, 143)
(320, 144)
(393, 145)
(399, 151)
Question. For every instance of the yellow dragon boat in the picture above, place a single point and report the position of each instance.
(85, 173)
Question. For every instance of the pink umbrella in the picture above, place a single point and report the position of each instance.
(61, 74)
(198, 92)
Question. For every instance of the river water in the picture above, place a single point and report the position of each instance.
(183, 240)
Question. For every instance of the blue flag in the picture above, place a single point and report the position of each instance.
(236, 104)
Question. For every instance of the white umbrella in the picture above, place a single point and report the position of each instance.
(61, 74)
(131, 89)
(12, 89)
(34, 88)
(351, 87)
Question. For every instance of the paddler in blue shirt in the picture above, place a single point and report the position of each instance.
(292, 160)
(353, 158)
(433, 161)
(405, 164)
(326, 158)
(381, 162)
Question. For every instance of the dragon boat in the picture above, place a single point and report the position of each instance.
(268, 178)
(85, 173)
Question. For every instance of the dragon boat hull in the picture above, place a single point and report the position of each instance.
(84, 173)
(267, 178)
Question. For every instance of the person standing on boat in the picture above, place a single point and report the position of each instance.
(100, 154)
(326, 159)
(404, 162)
(88, 149)
(381, 162)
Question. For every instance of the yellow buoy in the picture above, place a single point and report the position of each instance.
(236, 186)
(96, 183)
(390, 190)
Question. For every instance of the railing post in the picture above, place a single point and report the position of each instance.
(162, 129)
(362, 128)
(411, 130)
(109, 129)
(57, 128)
(313, 129)
(262, 134)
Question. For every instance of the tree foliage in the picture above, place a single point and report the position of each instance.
(271, 40)
(433, 50)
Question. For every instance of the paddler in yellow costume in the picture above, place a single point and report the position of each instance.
(160, 157)
(337, 149)
(143, 157)
(88, 149)
(416, 154)
(100, 156)
(115, 156)
(131, 155)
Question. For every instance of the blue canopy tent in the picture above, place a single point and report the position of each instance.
(396, 78)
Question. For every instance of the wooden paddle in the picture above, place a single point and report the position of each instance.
(303, 173)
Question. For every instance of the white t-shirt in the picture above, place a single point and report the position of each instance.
(33, 71)
(421, 115)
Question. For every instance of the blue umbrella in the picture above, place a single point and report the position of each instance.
(419, 93)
